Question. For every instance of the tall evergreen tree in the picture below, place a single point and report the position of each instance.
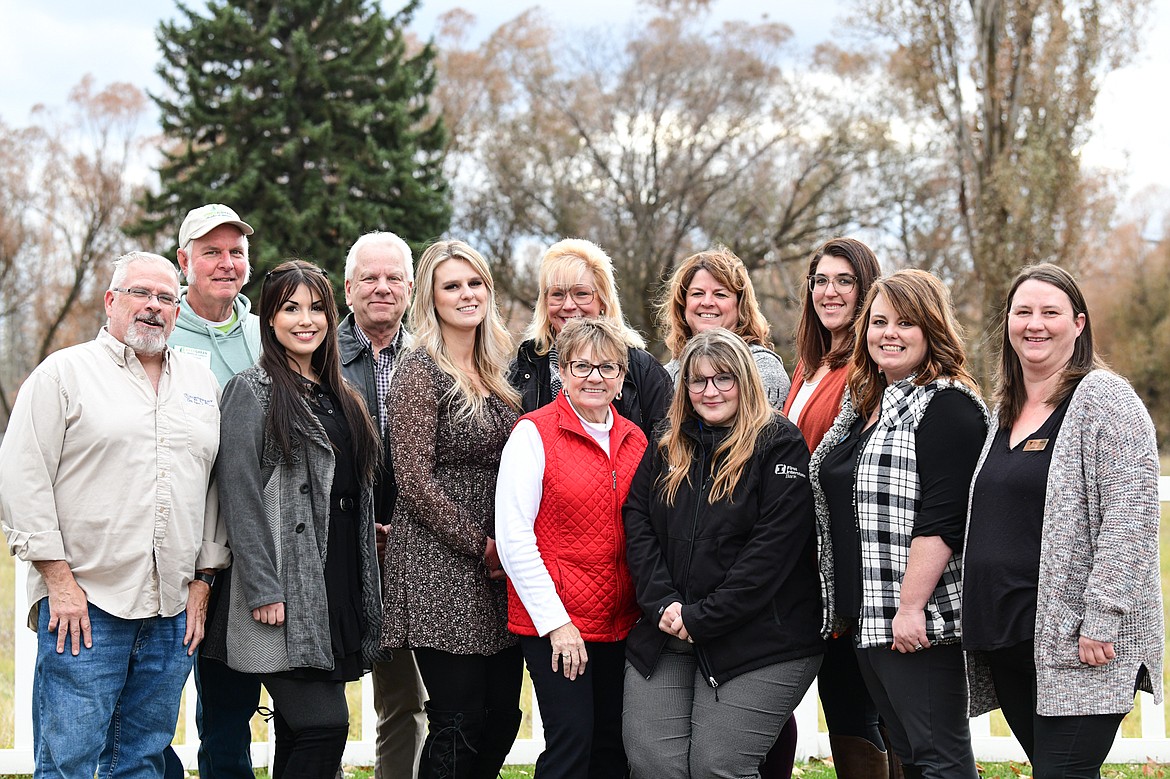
(306, 116)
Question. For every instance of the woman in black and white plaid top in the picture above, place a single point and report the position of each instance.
(890, 479)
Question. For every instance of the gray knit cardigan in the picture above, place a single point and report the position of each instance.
(1099, 570)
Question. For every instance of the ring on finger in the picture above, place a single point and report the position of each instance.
(918, 647)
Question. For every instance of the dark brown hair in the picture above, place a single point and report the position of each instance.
(1010, 393)
(813, 339)
(288, 412)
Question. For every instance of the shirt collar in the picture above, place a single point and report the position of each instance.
(122, 353)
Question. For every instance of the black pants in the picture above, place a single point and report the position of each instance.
(1067, 747)
(849, 710)
(312, 723)
(473, 709)
(922, 698)
(582, 718)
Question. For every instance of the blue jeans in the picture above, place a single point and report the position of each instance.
(227, 701)
(114, 706)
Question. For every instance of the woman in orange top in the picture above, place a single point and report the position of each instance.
(840, 274)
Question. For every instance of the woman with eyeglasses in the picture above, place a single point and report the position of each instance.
(840, 273)
(576, 280)
(563, 477)
(450, 412)
(296, 464)
(721, 545)
(713, 289)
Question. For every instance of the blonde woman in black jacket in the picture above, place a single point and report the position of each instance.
(719, 526)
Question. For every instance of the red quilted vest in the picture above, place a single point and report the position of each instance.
(579, 525)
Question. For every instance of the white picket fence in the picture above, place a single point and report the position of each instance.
(1152, 744)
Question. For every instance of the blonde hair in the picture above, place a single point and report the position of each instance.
(728, 270)
(726, 352)
(493, 344)
(562, 264)
(604, 336)
(920, 298)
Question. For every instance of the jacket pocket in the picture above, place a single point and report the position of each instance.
(1060, 647)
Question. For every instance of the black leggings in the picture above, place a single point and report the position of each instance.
(311, 719)
(849, 710)
(1068, 747)
(473, 711)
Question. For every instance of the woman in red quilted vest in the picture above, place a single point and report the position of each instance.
(564, 475)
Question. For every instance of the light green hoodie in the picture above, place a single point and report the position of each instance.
(226, 354)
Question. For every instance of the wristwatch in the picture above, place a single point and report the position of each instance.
(206, 578)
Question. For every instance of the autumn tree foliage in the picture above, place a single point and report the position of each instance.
(67, 187)
(1012, 86)
(309, 117)
(656, 142)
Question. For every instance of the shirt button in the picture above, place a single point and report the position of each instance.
(300, 528)
(304, 489)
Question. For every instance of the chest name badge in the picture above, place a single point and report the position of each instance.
(1036, 445)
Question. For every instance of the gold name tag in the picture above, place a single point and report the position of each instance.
(1036, 445)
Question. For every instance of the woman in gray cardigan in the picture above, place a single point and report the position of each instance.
(298, 453)
(1062, 608)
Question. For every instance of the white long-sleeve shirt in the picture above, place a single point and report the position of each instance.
(518, 493)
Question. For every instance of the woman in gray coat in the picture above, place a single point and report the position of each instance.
(298, 454)
(1062, 608)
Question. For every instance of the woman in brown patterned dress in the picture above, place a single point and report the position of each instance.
(451, 410)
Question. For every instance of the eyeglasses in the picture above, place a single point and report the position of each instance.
(144, 295)
(582, 295)
(697, 385)
(606, 370)
(842, 283)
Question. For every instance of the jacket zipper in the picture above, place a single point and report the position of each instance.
(700, 655)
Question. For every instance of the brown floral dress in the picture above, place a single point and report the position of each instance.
(437, 593)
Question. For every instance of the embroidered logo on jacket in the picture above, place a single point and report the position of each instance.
(789, 471)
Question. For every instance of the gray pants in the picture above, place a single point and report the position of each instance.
(676, 726)
(402, 723)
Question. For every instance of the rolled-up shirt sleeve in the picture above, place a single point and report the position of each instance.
(518, 495)
(29, 457)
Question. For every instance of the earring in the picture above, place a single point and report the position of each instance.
(618, 396)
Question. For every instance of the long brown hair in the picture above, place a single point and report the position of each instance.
(1010, 393)
(288, 411)
(728, 270)
(814, 342)
(726, 352)
(920, 298)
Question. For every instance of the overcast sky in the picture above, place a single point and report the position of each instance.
(47, 46)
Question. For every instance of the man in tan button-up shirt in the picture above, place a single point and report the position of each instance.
(105, 487)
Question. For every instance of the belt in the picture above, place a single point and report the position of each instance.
(346, 503)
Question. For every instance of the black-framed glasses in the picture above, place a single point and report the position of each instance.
(842, 283)
(697, 385)
(606, 370)
(582, 295)
(144, 295)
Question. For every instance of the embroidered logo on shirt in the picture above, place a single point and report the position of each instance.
(198, 401)
(789, 471)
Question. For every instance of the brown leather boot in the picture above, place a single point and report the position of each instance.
(857, 758)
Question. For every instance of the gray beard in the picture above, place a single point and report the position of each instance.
(146, 341)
